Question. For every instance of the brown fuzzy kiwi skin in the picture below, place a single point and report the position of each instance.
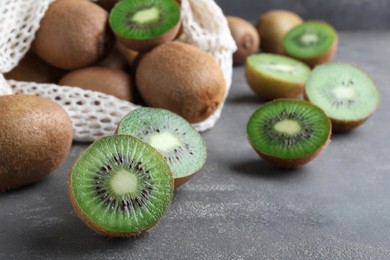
(269, 88)
(114, 60)
(341, 126)
(127, 53)
(92, 225)
(73, 34)
(33, 69)
(106, 80)
(323, 58)
(183, 79)
(272, 26)
(246, 37)
(36, 136)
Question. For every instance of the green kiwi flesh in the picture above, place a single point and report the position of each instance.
(312, 41)
(288, 133)
(120, 186)
(274, 76)
(180, 144)
(142, 24)
(346, 94)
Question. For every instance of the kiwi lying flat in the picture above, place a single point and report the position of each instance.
(120, 186)
(245, 36)
(35, 138)
(109, 81)
(274, 76)
(272, 26)
(180, 144)
(183, 79)
(143, 24)
(288, 133)
(312, 42)
(346, 94)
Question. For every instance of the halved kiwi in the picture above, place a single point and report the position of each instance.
(120, 186)
(274, 76)
(143, 24)
(180, 144)
(312, 42)
(288, 133)
(346, 94)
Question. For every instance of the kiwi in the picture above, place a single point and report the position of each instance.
(127, 53)
(288, 133)
(274, 76)
(33, 69)
(180, 144)
(106, 80)
(346, 94)
(35, 138)
(312, 42)
(143, 24)
(246, 37)
(120, 186)
(272, 26)
(73, 34)
(181, 78)
(114, 60)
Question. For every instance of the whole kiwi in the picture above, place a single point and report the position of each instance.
(73, 34)
(181, 78)
(106, 80)
(33, 69)
(245, 36)
(35, 137)
(272, 26)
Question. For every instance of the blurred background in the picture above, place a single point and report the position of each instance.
(342, 14)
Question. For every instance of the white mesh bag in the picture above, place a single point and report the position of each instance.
(95, 114)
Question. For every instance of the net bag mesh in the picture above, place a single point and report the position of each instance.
(95, 114)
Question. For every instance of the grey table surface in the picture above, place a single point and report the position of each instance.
(239, 207)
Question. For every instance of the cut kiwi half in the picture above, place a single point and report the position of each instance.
(143, 24)
(274, 76)
(346, 94)
(312, 42)
(288, 133)
(180, 144)
(120, 186)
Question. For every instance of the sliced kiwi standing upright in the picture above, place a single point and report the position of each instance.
(180, 144)
(346, 94)
(288, 133)
(143, 24)
(120, 186)
(312, 42)
(274, 76)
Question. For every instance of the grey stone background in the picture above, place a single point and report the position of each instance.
(342, 14)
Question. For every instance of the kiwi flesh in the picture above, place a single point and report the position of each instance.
(120, 186)
(272, 26)
(274, 76)
(346, 94)
(36, 136)
(181, 145)
(73, 34)
(312, 42)
(288, 133)
(143, 24)
(33, 69)
(183, 79)
(246, 37)
(112, 82)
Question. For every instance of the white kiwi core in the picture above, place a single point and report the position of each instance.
(146, 15)
(124, 182)
(164, 141)
(342, 92)
(288, 126)
(309, 38)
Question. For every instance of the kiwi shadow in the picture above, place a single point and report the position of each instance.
(261, 169)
